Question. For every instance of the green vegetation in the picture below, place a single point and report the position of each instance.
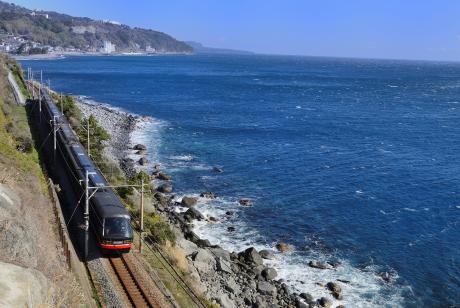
(157, 229)
(16, 144)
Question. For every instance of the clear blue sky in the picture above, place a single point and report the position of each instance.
(407, 29)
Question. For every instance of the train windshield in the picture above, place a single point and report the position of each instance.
(117, 227)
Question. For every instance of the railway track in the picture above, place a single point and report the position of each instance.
(133, 288)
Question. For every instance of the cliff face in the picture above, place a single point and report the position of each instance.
(60, 30)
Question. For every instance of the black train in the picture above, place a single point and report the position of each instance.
(109, 219)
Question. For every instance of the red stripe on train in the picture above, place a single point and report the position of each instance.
(116, 246)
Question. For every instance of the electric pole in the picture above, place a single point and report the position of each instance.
(87, 136)
(62, 106)
(86, 213)
(142, 213)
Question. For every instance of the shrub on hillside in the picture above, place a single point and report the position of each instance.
(158, 230)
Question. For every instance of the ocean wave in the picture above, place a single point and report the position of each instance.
(185, 157)
(362, 287)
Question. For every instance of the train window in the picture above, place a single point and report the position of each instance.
(117, 227)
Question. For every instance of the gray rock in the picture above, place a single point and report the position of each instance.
(267, 254)
(203, 261)
(245, 202)
(224, 301)
(162, 199)
(143, 161)
(165, 188)
(300, 304)
(163, 176)
(208, 194)
(193, 213)
(188, 201)
(324, 302)
(269, 273)
(212, 219)
(140, 147)
(220, 253)
(319, 264)
(252, 257)
(257, 270)
(231, 229)
(307, 297)
(223, 265)
(260, 303)
(231, 286)
(334, 287)
(283, 247)
(266, 288)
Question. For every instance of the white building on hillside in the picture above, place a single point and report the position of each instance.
(108, 47)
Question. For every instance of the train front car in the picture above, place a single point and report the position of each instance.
(111, 222)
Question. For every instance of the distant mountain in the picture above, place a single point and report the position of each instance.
(199, 48)
(83, 34)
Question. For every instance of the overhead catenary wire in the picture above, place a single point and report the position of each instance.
(148, 242)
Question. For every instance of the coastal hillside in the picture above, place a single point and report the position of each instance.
(43, 31)
(200, 48)
(33, 272)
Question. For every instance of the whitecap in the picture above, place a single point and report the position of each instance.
(186, 157)
(410, 209)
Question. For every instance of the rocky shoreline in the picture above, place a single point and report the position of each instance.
(229, 279)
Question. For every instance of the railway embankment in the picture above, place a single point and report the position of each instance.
(33, 268)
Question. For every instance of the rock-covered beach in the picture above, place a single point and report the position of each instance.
(230, 279)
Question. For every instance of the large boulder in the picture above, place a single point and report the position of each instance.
(189, 201)
(162, 199)
(223, 265)
(163, 176)
(203, 261)
(165, 188)
(143, 161)
(334, 288)
(267, 254)
(269, 273)
(324, 302)
(22, 287)
(193, 213)
(220, 253)
(319, 265)
(140, 147)
(283, 247)
(307, 297)
(252, 257)
(266, 288)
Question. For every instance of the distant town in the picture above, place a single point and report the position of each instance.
(22, 44)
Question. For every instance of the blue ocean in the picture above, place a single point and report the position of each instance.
(352, 161)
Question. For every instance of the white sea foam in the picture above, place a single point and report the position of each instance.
(148, 132)
(185, 157)
(365, 287)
